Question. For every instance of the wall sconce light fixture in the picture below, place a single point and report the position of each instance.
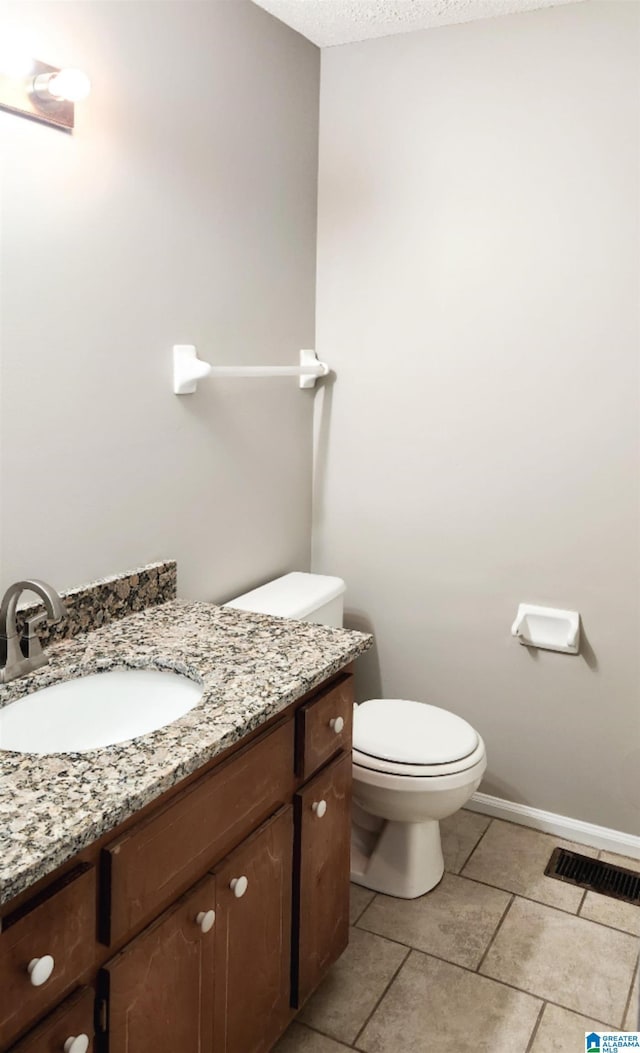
(43, 93)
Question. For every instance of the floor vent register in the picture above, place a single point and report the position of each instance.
(593, 874)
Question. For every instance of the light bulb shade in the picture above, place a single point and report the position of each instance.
(65, 85)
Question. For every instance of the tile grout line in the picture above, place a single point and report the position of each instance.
(627, 1004)
(359, 1032)
(485, 976)
(478, 842)
(316, 1031)
(352, 924)
(530, 899)
(512, 987)
(495, 933)
(581, 904)
(536, 1028)
(541, 903)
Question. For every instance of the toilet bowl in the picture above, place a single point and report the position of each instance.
(413, 763)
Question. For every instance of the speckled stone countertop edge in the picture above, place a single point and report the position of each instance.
(252, 667)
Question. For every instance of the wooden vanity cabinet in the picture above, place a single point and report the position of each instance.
(202, 924)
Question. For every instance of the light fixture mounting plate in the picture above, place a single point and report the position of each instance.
(17, 96)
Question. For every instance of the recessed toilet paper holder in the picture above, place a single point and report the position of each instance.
(548, 628)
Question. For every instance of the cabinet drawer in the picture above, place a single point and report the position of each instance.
(149, 865)
(317, 737)
(322, 871)
(60, 923)
(73, 1019)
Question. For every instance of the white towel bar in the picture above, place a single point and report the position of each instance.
(188, 369)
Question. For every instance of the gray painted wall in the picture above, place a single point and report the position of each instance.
(183, 210)
(477, 296)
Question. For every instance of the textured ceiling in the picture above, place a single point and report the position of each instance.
(330, 22)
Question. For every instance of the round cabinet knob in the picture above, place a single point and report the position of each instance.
(239, 886)
(40, 969)
(337, 723)
(76, 1044)
(205, 919)
(319, 808)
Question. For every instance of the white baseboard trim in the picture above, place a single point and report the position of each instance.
(560, 825)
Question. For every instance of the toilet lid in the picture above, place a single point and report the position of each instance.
(397, 729)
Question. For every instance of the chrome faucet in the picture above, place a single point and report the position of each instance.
(19, 656)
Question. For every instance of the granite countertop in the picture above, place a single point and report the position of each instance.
(252, 667)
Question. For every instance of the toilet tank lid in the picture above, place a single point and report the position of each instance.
(292, 596)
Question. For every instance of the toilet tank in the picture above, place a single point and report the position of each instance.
(315, 598)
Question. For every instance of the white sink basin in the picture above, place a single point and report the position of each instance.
(97, 710)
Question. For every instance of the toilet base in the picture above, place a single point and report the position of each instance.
(399, 859)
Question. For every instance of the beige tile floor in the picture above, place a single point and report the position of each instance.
(497, 959)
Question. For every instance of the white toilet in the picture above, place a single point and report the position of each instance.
(413, 764)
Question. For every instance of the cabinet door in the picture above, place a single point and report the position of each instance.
(322, 872)
(71, 1022)
(159, 989)
(253, 939)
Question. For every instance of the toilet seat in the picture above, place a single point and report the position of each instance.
(419, 771)
(408, 738)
